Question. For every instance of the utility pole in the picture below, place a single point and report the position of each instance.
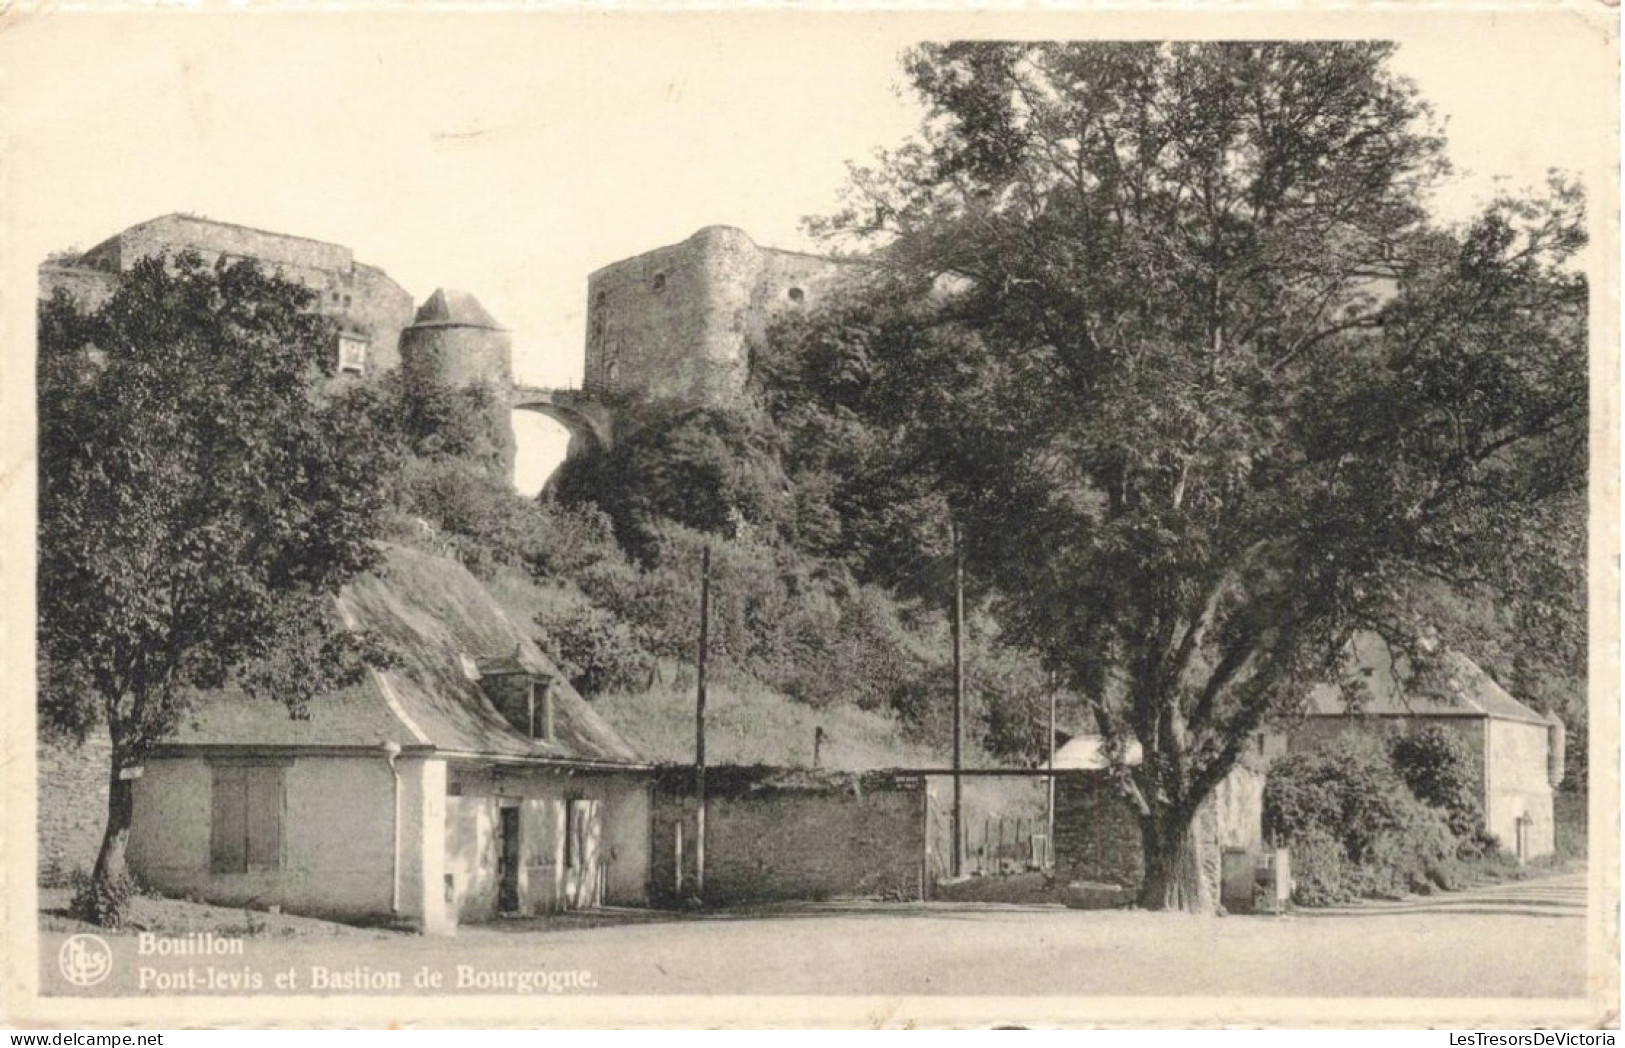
(1050, 807)
(959, 696)
(699, 725)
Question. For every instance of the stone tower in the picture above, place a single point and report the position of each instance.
(454, 342)
(678, 321)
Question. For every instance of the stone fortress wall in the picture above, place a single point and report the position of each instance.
(370, 307)
(678, 321)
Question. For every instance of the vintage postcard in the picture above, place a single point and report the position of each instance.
(588, 516)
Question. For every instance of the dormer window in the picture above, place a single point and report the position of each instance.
(660, 282)
(525, 699)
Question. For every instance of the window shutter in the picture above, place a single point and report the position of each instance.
(228, 830)
(263, 803)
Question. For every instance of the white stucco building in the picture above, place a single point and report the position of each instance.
(466, 781)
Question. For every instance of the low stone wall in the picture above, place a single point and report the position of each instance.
(1097, 837)
(72, 806)
(776, 835)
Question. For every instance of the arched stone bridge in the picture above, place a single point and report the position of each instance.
(590, 423)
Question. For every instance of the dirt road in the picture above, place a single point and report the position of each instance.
(1518, 940)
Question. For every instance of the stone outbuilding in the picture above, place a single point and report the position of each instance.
(466, 781)
(1518, 754)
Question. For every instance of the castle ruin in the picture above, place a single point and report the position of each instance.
(370, 308)
(675, 322)
(678, 321)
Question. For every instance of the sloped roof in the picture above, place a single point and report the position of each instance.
(1088, 753)
(1458, 688)
(434, 614)
(448, 307)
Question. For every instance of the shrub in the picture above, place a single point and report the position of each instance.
(1350, 793)
(1438, 769)
(1411, 857)
(1354, 828)
(1318, 864)
(659, 607)
(105, 904)
(484, 523)
(1570, 823)
(712, 469)
(594, 649)
(571, 539)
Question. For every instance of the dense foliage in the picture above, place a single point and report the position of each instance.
(713, 469)
(203, 496)
(1354, 828)
(1166, 330)
(1437, 767)
(792, 608)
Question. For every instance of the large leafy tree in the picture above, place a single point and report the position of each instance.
(1169, 329)
(204, 493)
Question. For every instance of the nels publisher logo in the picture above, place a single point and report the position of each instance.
(85, 960)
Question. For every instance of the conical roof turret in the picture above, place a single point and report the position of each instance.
(448, 307)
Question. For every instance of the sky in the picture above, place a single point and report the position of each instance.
(511, 154)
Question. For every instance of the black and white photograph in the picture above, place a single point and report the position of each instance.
(823, 517)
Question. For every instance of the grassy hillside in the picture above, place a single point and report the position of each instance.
(749, 723)
(752, 725)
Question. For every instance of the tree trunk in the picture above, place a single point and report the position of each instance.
(1174, 878)
(110, 881)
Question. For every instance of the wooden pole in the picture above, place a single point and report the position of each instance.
(699, 725)
(678, 846)
(959, 693)
(1049, 808)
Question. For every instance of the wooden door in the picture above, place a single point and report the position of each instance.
(508, 860)
(583, 859)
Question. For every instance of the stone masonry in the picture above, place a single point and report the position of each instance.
(72, 799)
(678, 321)
(776, 834)
(371, 308)
(1097, 835)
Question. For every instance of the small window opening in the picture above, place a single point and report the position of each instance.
(660, 282)
(353, 355)
(797, 295)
